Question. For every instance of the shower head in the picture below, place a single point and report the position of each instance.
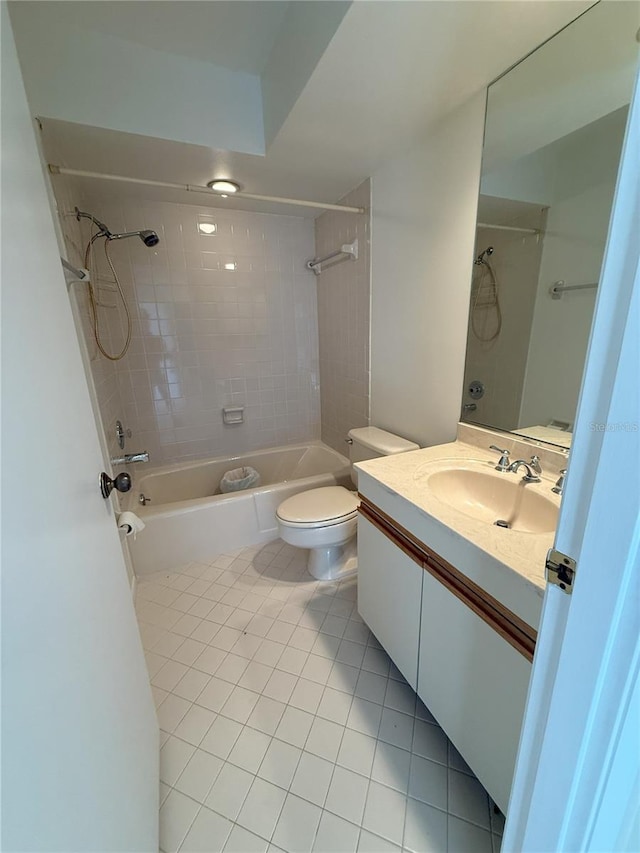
(149, 238)
(480, 259)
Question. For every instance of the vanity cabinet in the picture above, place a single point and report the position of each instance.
(467, 656)
(389, 597)
(474, 683)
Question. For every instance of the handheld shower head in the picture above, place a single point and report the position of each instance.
(480, 259)
(149, 238)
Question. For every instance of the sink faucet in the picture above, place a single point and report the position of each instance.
(128, 458)
(533, 469)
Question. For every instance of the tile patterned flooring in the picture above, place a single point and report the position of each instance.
(285, 726)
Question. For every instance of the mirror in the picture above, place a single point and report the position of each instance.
(554, 131)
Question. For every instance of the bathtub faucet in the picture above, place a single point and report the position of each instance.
(128, 458)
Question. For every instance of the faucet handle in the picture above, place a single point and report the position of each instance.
(503, 464)
(535, 464)
(559, 486)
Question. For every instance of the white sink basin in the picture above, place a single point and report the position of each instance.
(491, 496)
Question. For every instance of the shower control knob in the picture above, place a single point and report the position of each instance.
(121, 483)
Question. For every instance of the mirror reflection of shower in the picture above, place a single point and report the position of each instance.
(486, 313)
(480, 259)
(149, 238)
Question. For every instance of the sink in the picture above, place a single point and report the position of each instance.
(491, 496)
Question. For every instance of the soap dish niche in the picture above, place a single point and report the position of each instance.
(233, 415)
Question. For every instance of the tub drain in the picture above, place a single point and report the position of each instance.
(502, 523)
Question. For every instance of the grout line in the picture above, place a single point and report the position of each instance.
(302, 750)
(303, 604)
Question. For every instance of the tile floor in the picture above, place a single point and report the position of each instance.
(285, 726)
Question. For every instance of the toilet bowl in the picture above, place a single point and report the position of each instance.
(325, 520)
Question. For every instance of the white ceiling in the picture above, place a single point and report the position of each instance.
(237, 34)
(392, 70)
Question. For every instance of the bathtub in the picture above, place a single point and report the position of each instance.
(187, 518)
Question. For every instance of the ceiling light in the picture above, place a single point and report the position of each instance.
(224, 187)
(207, 227)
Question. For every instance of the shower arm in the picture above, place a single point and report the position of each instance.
(111, 236)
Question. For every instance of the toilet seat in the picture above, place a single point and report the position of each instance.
(324, 507)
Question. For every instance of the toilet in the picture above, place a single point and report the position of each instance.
(325, 520)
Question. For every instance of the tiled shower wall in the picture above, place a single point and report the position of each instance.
(220, 319)
(102, 372)
(343, 321)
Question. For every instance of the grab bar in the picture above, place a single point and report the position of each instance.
(559, 287)
(349, 249)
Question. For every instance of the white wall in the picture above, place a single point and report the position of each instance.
(96, 79)
(79, 735)
(423, 231)
(306, 31)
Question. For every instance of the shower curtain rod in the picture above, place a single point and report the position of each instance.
(194, 188)
(509, 228)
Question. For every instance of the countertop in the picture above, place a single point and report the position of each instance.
(508, 564)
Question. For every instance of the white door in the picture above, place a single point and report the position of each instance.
(79, 734)
(577, 780)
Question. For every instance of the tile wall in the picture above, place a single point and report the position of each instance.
(101, 372)
(343, 321)
(501, 364)
(224, 314)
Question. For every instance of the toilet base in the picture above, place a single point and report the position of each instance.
(335, 562)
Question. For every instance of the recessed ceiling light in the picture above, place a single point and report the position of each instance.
(224, 187)
(207, 227)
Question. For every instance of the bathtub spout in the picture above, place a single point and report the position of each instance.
(128, 458)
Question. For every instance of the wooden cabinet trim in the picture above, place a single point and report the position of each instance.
(514, 630)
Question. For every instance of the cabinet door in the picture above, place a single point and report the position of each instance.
(474, 683)
(389, 595)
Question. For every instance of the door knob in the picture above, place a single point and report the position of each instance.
(121, 483)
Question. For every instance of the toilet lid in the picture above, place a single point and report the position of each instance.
(330, 503)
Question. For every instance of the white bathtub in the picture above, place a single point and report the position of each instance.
(187, 518)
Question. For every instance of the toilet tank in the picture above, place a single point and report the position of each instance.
(371, 442)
